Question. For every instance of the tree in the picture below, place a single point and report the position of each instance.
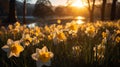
(91, 5)
(113, 10)
(24, 11)
(91, 9)
(42, 8)
(103, 9)
(12, 18)
(4, 7)
(60, 11)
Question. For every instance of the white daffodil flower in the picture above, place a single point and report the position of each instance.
(13, 48)
(26, 39)
(42, 57)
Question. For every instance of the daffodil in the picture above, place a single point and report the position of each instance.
(76, 50)
(32, 32)
(47, 29)
(22, 28)
(104, 34)
(61, 36)
(98, 24)
(117, 39)
(99, 51)
(10, 27)
(17, 24)
(73, 27)
(50, 37)
(14, 31)
(60, 27)
(52, 27)
(58, 21)
(118, 32)
(35, 40)
(42, 57)
(26, 39)
(13, 48)
(26, 31)
(3, 29)
(37, 30)
(90, 31)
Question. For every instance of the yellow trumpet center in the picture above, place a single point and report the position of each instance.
(44, 57)
(16, 49)
(61, 36)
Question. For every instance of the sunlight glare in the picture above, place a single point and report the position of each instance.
(79, 20)
(80, 17)
(78, 3)
(32, 25)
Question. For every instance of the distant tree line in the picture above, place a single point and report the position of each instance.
(91, 9)
(104, 10)
(44, 8)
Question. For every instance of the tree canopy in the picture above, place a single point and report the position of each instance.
(43, 8)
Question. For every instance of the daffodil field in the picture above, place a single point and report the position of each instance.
(61, 45)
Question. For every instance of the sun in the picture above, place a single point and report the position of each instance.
(78, 3)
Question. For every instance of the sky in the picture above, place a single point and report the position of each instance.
(58, 2)
(55, 2)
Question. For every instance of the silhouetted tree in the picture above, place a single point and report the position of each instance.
(103, 9)
(4, 5)
(24, 11)
(42, 8)
(12, 18)
(113, 10)
(61, 11)
(91, 9)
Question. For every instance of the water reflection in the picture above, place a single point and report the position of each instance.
(80, 19)
(58, 20)
(32, 25)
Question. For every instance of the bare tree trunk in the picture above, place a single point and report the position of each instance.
(91, 10)
(113, 10)
(12, 18)
(103, 10)
(24, 12)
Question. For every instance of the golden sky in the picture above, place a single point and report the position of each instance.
(55, 2)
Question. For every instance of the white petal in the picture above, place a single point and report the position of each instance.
(21, 40)
(39, 64)
(38, 50)
(17, 55)
(51, 54)
(9, 41)
(34, 56)
(10, 54)
(44, 49)
(17, 42)
(6, 48)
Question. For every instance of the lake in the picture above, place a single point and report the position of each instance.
(32, 21)
(50, 20)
